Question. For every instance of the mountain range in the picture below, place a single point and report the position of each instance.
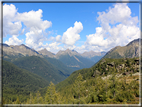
(61, 67)
(70, 58)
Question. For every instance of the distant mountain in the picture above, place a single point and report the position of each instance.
(47, 53)
(66, 52)
(60, 65)
(19, 82)
(19, 49)
(70, 58)
(131, 50)
(91, 54)
(73, 59)
(94, 56)
(41, 67)
(11, 52)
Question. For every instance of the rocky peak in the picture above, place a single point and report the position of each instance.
(46, 52)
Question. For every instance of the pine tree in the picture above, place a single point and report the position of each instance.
(52, 97)
(78, 87)
(17, 101)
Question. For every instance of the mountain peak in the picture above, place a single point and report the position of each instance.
(131, 50)
(67, 50)
(46, 52)
(135, 41)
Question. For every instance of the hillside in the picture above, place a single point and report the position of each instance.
(104, 67)
(108, 76)
(110, 81)
(19, 82)
(131, 50)
(41, 67)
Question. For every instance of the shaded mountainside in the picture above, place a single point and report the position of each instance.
(41, 67)
(59, 65)
(91, 54)
(131, 50)
(19, 82)
(73, 60)
(94, 56)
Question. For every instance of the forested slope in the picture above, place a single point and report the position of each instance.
(110, 81)
(18, 82)
(41, 67)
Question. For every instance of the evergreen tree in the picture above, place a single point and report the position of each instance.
(78, 87)
(52, 97)
(17, 101)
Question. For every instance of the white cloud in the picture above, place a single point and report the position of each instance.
(9, 11)
(11, 26)
(97, 38)
(14, 41)
(54, 46)
(58, 38)
(34, 38)
(118, 27)
(32, 20)
(35, 25)
(72, 34)
(71, 47)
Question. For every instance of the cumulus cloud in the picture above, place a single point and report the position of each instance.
(34, 39)
(97, 38)
(54, 46)
(14, 41)
(72, 34)
(34, 24)
(33, 21)
(118, 27)
(11, 26)
(58, 38)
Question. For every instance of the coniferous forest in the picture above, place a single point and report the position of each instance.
(110, 81)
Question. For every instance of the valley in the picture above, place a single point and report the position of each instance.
(69, 77)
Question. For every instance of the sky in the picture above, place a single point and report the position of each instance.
(79, 26)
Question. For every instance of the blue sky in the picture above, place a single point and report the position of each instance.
(79, 26)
